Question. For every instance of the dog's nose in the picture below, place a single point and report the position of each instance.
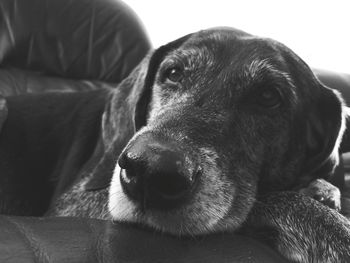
(155, 175)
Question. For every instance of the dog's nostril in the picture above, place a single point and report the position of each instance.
(128, 162)
(123, 161)
(133, 167)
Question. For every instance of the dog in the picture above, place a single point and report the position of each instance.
(206, 135)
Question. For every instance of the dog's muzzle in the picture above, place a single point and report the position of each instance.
(155, 174)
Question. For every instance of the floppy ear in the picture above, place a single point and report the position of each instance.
(141, 108)
(324, 130)
(125, 114)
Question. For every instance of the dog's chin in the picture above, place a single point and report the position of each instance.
(209, 211)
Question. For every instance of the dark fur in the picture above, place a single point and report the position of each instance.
(214, 117)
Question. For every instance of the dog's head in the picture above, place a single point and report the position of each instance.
(220, 117)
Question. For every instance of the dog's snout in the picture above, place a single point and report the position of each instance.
(155, 175)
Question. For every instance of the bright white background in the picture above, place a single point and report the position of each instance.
(318, 31)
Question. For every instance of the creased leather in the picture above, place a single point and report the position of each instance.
(90, 240)
(81, 39)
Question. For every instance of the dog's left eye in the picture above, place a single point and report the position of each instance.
(173, 74)
(269, 98)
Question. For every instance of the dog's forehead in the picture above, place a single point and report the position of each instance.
(232, 50)
(233, 54)
(233, 43)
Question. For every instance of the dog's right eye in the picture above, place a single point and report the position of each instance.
(173, 74)
(269, 98)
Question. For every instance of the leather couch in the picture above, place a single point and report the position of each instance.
(64, 45)
(60, 240)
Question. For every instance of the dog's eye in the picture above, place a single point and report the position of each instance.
(269, 98)
(173, 74)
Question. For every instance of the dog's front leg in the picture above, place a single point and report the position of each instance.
(300, 228)
(324, 192)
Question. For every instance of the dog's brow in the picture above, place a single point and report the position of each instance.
(258, 67)
(191, 54)
(180, 54)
